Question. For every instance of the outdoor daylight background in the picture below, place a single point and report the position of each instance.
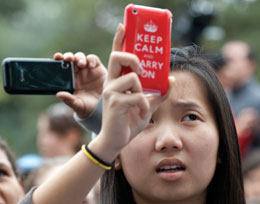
(36, 28)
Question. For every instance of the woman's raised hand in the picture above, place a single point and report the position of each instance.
(90, 75)
(126, 109)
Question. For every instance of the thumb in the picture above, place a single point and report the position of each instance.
(155, 102)
(68, 99)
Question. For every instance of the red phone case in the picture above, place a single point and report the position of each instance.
(148, 35)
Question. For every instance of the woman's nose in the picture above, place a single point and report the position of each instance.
(168, 139)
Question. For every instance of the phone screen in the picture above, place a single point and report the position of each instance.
(39, 77)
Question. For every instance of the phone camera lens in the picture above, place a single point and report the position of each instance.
(134, 11)
(65, 65)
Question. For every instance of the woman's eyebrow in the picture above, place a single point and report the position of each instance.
(187, 105)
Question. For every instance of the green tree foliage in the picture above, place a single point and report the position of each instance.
(35, 28)
(10, 7)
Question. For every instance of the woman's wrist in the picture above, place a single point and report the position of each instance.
(92, 121)
(103, 150)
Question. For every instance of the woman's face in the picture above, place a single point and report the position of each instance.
(10, 189)
(174, 158)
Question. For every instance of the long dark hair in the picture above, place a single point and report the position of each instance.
(226, 186)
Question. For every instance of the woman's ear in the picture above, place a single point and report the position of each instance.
(117, 164)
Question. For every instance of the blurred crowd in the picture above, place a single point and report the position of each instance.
(236, 67)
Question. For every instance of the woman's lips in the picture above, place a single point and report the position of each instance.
(170, 169)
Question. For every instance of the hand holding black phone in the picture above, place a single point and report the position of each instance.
(39, 76)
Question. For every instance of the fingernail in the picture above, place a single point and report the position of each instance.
(92, 64)
(172, 78)
(141, 70)
(81, 63)
(118, 27)
(65, 55)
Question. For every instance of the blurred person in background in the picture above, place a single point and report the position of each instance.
(227, 78)
(223, 73)
(11, 190)
(251, 174)
(58, 133)
(244, 97)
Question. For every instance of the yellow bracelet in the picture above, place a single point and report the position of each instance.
(95, 159)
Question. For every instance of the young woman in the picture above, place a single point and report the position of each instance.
(11, 190)
(180, 148)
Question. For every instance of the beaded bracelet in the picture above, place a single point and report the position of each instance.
(95, 159)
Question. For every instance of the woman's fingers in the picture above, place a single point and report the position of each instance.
(69, 57)
(80, 60)
(118, 60)
(93, 61)
(125, 102)
(66, 97)
(128, 83)
(127, 91)
(138, 100)
(72, 101)
(58, 56)
(119, 38)
(155, 101)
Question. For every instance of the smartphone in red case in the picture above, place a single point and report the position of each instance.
(148, 35)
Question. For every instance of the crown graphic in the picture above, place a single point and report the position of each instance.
(150, 27)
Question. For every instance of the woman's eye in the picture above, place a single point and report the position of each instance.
(3, 173)
(151, 121)
(190, 117)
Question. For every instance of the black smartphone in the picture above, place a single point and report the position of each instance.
(37, 76)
